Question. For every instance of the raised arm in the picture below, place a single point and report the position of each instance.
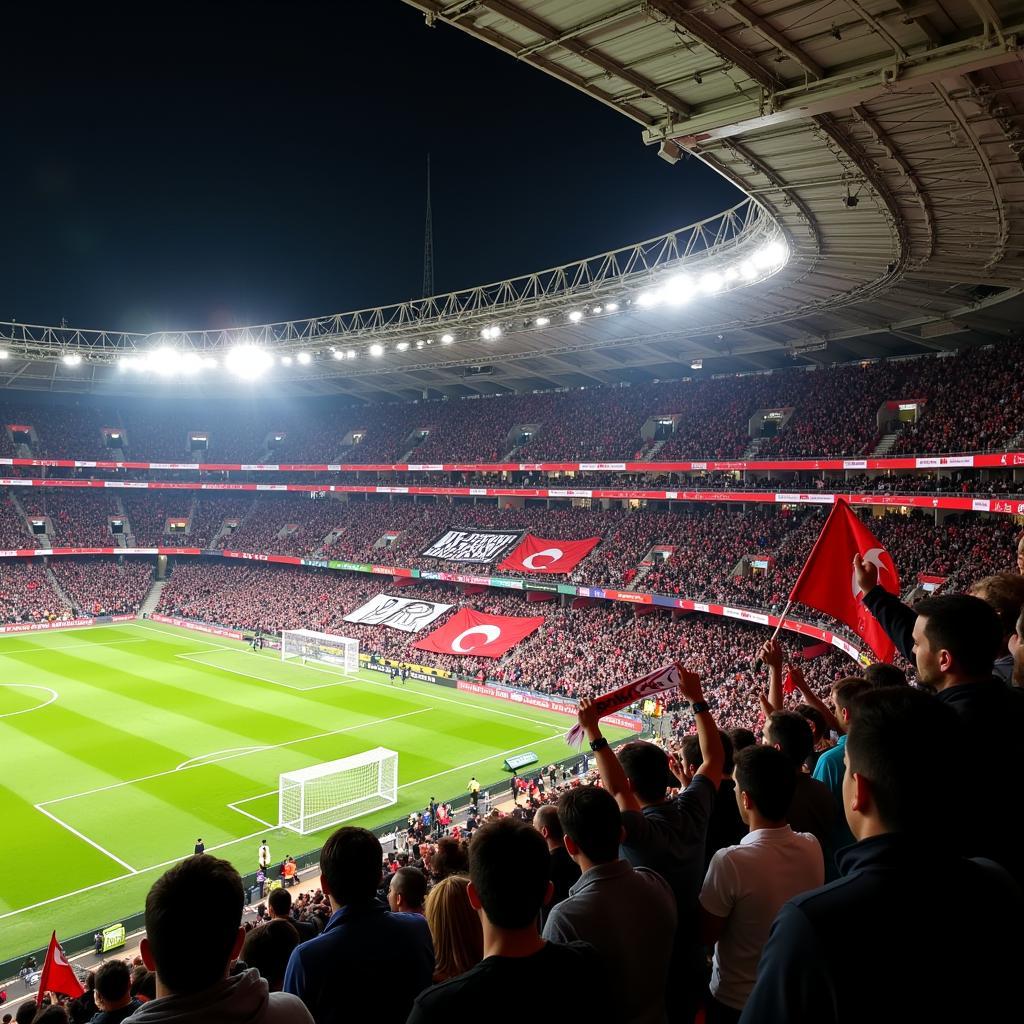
(707, 731)
(896, 618)
(613, 777)
(771, 655)
(810, 697)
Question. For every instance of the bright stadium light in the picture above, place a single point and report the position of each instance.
(190, 363)
(286, 360)
(248, 361)
(611, 307)
(162, 361)
(597, 309)
(304, 358)
(648, 299)
(711, 282)
(490, 333)
(376, 350)
(4, 354)
(209, 363)
(447, 339)
(731, 273)
(420, 343)
(402, 346)
(771, 255)
(677, 290)
(336, 354)
(542, 321)
(748, 270)
(71, 359)
(575, 316)
(127, 363)
(351, 353)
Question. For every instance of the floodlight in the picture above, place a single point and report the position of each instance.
(748, 270)
(351, 353)
(490, 333)
(376, 350)
(597, 309)
(648, 299)
(286, 360)
(190, 363)
(162, 361)
(542, 321)
(731, 273)
(419, 344)
(711, 282)
(336, 354)
(446, 339)
(677, 290)
(304, 358)
(402, 346)
(248, 361)
(4, 354)
(610, 307)
(71, 359)
(209, 363)
(575, 316)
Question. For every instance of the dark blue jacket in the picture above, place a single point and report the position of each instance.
(907, 934)
(365, 952)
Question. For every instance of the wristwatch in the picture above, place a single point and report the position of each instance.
(700, 707)
(599, 744)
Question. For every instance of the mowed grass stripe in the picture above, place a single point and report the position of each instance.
(127, 710)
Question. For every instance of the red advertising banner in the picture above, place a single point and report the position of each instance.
(535, 554)
(478, 634)
(198, 627)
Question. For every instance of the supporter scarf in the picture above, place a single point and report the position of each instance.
(668, 677)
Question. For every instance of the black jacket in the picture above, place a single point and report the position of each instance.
(907, 934)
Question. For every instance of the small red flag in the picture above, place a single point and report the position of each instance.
(788, 686)
(828, 583)
(58, 975)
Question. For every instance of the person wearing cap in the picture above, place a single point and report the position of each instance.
(667, 833)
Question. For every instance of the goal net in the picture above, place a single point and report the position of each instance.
(308, 645)
(323, 795)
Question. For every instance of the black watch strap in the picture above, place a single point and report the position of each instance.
(700, 707)
(599, 744)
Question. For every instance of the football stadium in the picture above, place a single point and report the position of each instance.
(635, 629)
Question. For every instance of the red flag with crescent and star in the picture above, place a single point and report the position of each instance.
(58, 975)
(829, 584)
(479, 634)
(534, 554)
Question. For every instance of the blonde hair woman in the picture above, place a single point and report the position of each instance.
(455, 927)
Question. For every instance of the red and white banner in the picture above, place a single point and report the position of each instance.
(478, 634)
(829, 584)
(535, 554)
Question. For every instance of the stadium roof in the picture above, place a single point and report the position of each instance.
(882, 138)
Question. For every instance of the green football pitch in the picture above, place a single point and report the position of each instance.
(121, 745)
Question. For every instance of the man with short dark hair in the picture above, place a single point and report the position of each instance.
(112, 984)
(279, 903)
(564, 871)
(667, 834)
(746, 884)
(627, 914)
(912, 931)
(193, 933)
(508, 871)
(407, 891)
(725, 826)
(812, 808)
(363, 948)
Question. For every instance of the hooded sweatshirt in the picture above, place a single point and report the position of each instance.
(241, 999)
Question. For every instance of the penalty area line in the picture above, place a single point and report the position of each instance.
(86, 839)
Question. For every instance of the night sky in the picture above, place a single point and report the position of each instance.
(266, 161)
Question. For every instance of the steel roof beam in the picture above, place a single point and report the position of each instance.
(775, 37)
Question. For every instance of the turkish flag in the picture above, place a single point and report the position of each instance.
(479, 634)
(828, 583)
(58, 975)
(537, 555)
(788, 686)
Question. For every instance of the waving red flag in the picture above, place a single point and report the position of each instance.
(58, 975)
(535, 554)
(479, 634)
(828, 583)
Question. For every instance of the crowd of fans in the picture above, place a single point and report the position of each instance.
(26, 594)
(103, 586)
(837, 410)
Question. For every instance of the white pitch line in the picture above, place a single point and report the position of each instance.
(250, 675)
(70, 647)
(253, 816)
(242, 753)
(38, 707)
(86, 839)
(201, 758)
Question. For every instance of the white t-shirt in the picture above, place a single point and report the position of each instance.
(748, 884)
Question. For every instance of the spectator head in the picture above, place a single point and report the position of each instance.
(112, 985)
(546, 822)
(407, 891)
(268, 947)
(1016, 646)
(592, 824)
(790, 733)
(764, 786)
(845, 694)
(25, 1013)
(454, 927)
(279, 902)
(879, 675)
(1005, 593)
(351, 866)
(54, 1014)
(509, 868)
(450, 858)
(690, 757)
(143, 982)
(646, 767)
(193, 924)
(741, 738)
(816, 720)
(899, 771)
(956, 639)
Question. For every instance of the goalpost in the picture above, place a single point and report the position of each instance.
(327, 794)
(308, 645)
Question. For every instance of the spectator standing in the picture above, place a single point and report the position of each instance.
(264, 857)
(905, 897)
(200, 847)
(564, 872)
(193, 933)
(747, 884)
(112, 992)
(627, 914)
(279, 904)
(407, 891)
(364, 947)
(508, 870)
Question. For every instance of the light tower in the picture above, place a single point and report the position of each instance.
(428, 244)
